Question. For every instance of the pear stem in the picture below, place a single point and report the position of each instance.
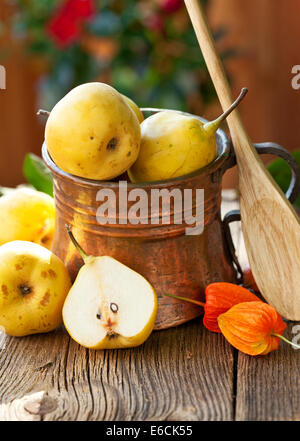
(213, 125)
(43, 112)
(76, 244)
(185, 299)
(286, 340)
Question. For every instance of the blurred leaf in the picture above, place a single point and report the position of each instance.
(282, 174)
(37, 174)
(39, 46)
(105, 24)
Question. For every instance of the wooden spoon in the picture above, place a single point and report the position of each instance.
(270, 225)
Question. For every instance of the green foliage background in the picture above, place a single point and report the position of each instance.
(160, 68)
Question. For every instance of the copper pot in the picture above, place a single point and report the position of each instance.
(172, 261)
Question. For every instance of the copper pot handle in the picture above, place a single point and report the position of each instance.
(291, 194)
(232, 216)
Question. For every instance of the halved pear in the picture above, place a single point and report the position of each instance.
(109, 305)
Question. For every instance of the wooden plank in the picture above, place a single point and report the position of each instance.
(21, 131)
(185, 373)
(268, 387)
(259, 52)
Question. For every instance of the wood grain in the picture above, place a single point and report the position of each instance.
(272, 106)
(179, 374)
(268, 388)
(20, 129)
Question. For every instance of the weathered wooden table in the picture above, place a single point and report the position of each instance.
(185, 373)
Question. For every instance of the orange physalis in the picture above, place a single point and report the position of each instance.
(254, 328)
(220, 297)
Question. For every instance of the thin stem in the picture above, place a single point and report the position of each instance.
(213, 125)
(43, 112)
(286, 340)
(76, 244)
(185, 299)
(241, 96)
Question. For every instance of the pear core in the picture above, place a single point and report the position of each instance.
(109, 305)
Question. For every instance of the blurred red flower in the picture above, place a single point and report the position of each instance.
(171, 5)
(65, 25)
(80, 8)
(154, 22)
(63, 30)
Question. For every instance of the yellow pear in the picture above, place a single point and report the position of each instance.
(174, 144)
(93, 133)
(33, 286)
(135, 108)
(27, 214)
(109, 305)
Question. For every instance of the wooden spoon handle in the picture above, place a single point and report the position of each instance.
(217, 72)
(207, 46)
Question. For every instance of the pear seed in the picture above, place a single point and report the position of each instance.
(114, 308)
(98, 316)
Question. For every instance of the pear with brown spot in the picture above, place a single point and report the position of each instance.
(109, 305)
(90, 131)
(33, 286)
